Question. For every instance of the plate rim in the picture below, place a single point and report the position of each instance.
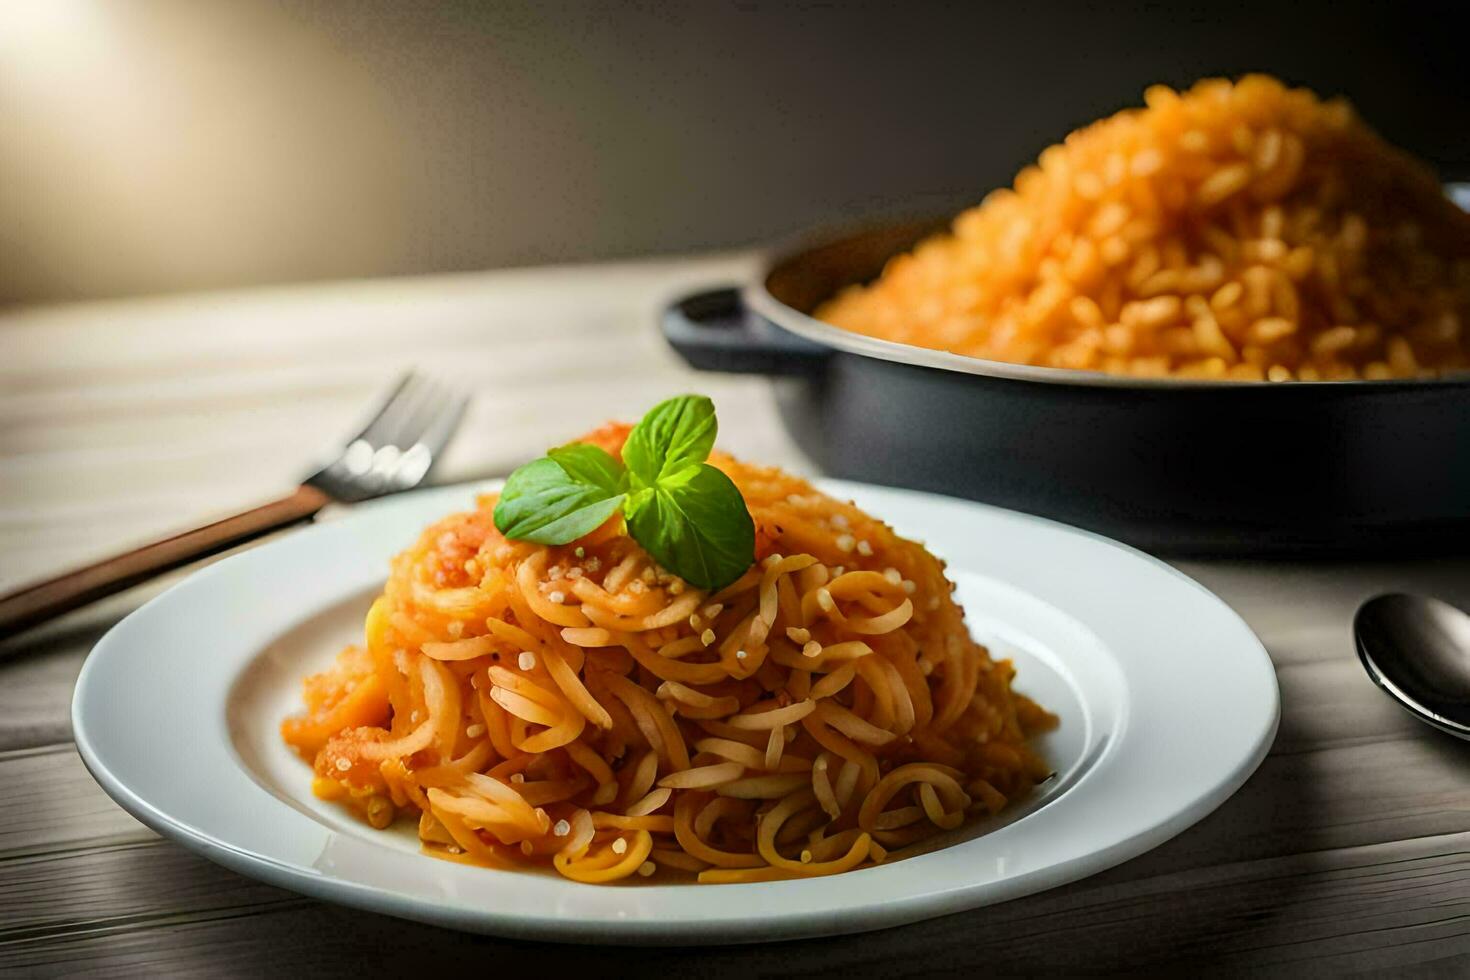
(911, 907)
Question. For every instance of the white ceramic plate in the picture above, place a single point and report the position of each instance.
(1167, 700)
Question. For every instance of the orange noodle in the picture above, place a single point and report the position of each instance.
(578, 707)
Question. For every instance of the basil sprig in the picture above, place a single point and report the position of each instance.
(683, 511)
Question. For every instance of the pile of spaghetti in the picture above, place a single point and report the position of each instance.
(1240, 231)
(579, 707)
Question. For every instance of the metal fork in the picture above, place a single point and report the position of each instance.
(393, 451)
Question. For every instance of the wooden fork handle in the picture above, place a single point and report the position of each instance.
(34, 604)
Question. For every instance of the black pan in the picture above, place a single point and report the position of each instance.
(1170, 465)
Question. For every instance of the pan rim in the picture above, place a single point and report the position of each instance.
(756, 296)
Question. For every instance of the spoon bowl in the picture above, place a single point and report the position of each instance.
(1418, 650)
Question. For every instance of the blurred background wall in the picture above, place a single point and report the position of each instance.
(162, 145)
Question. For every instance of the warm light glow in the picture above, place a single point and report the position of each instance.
(35, 32)
(151, 141)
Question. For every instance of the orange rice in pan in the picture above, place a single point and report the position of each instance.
(1234, 231)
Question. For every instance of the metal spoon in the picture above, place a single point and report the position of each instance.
(1418, 650)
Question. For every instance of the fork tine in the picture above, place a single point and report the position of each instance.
(429, 401)
(382, 405)
(436, 434)
(388, 429)
(398, 445)
(436, 421)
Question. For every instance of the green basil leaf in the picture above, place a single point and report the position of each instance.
(675, 435)
(544, 503)
(697, 527)
(591, 465)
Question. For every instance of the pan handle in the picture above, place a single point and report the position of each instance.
(712, 331)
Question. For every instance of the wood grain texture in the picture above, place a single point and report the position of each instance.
(1348, 850)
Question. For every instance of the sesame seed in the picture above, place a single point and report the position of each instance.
(893, 576)
(558, 597)
(812, 649)
(554, 572)
(794, 499)
(526, 848)
(527, 660)
(864, 548)
(707, 637)
(694, 621)
(344, 764)
(574, 573)
(676, 587)
(413, 715)
(741, 654)
(580, 551)
(593, 564)
(821, 764)
(825, 600)
(806, 857)
(454, 849)
(637, 588)
(474, 731)
(839, 571)
(771, 559)
(518, 777)
(839, 521)
(926, 666)
(562, 828)
(934, 602)
(649, 575)
(845, 542)
(620, 846)
(909, 586)
(646, 868)
(455, 629)
(713, 609)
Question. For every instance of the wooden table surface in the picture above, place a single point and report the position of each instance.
(1348, 849)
